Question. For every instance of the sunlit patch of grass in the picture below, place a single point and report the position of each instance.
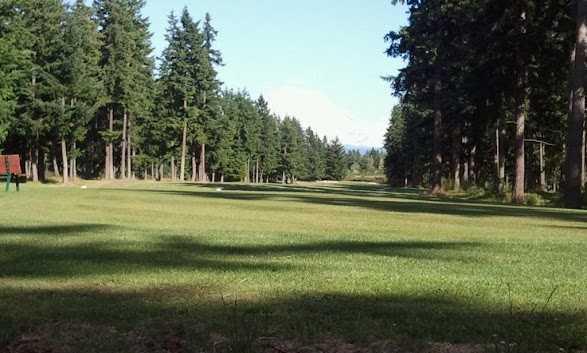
(352, 260)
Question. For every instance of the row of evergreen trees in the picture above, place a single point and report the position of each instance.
(81, 94)
(492, 95)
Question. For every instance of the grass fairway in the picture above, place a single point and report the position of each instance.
(158, 267)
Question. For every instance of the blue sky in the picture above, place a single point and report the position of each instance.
(318, 60)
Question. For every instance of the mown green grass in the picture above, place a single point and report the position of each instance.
(135, 263)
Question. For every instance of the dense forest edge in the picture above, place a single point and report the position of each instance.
(492, 97)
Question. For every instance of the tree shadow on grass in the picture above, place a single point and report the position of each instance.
(421, 250)
(134, 317)
(109, 257)
(53, 230)
(397, 204)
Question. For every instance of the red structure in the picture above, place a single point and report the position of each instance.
(10, 170)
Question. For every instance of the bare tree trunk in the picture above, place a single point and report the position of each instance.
(465, 168)
(131, 172)
(583, 166)
(72, 162)
(456, 158)
(437, 141)
(27, 168)
(194, 168)
(257, 171)
(497, 160)
(213, 177)
(519, 188)
(55, 163)
(183, 149)
(65, 161)
(34, 156)
(173, 171)
(202, 167)
(283, 181)
(109, 168)
(34, 165)
(248, 176)
(542, 169)
(123, 146)
(222, 178)
(129, 148)
(42, 165)
(577, 117)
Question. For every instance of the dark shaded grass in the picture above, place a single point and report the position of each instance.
(31, 260)
(435, 318)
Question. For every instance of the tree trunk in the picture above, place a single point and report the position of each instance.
(183, 150)
(257, 172)
(577, 116)
(42, 165)
(473, 165)
(56, 164)
(456, 158)
(248, 176)
(34, 165)
(213, 177)
(194, 168)
(202, 167)
(437, 141)
(27, 168)
(65, 161)
(520, 168)
(109, 165)
(283, 181)
(34, 156)
(583, 166)
(498, 183)
(129, 148)
(222, 178)
(542, 169)
(123, 146)
(111, 128)
(173, 172)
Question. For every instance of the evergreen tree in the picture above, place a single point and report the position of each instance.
(15, 63)
(270, 140)
(336, 161)
(41, 102)
(81, 78)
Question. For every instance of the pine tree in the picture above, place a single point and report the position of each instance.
(81, 78)
(270, 137)
(15, 63)
(210, 34)
(41, 103)
(336, 161)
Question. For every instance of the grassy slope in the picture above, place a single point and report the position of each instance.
(349, 260)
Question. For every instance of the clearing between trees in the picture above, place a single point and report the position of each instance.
(161, 267)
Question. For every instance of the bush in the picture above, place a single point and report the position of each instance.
(534, 200)
(476, 191)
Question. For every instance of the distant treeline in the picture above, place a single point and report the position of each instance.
(81, 95)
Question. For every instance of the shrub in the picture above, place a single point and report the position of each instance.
(534, 200)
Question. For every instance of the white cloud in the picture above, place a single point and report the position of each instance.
(315, 109)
